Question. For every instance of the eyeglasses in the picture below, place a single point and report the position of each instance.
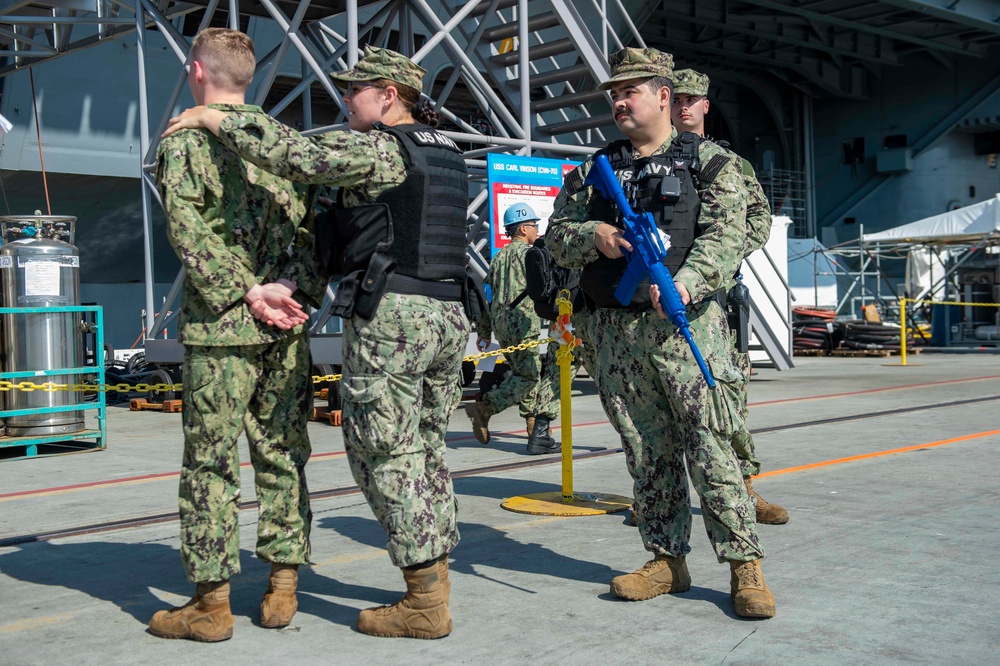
(357, 88)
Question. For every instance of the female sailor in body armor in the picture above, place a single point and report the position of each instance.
(399, 245)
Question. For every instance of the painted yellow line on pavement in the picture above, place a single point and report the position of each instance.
(34, 623)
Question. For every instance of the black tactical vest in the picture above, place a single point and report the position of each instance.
(420, 223)
(411, 240)
(664, 185)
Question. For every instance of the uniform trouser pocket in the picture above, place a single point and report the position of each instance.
(378, 418)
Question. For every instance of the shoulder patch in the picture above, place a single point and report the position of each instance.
(573, 182)
(711, 170)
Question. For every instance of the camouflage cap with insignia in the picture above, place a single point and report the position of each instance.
(690, 82)
(379, 63)
(635, 63)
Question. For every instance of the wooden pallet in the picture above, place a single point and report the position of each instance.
(854, 353)
(143, 405)
(810, 352)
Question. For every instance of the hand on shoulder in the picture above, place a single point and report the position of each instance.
(197, 117)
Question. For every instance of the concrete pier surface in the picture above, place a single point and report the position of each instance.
(890, 474)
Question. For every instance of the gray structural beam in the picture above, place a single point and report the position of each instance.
(978, 14)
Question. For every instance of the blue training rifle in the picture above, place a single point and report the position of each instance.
(645, 258)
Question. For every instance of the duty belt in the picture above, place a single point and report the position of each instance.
(443, 291)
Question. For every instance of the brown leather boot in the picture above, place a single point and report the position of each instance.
(205, 618)
(661, 575)
(480, 414)
(529, 423)
(443, 575)
(749, 592)
(767, 513)
(280, 602)
(422, 612)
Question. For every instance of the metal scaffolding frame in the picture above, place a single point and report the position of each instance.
(528, 69)
(324, 35)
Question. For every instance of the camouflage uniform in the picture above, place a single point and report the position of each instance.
(401, 368)
(512, 326)
(758, 231)
(234, 226)
(650, 385)
(691, 82)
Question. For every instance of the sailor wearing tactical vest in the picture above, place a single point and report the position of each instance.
(650, 385)
(512, 319)
(404, 343)
(688, 109)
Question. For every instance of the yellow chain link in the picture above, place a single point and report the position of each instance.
(498, 352)
(51, 387)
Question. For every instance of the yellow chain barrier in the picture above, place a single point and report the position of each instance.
(51, 387)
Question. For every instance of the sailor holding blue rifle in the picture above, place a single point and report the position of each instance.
(666, 384)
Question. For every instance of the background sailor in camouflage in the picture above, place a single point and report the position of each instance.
(689, 106)
(244, 238)
(402, 365)
(512, 319)
(649, 382)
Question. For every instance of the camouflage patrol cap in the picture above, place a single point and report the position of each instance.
(690, 82)
(379, 63)
(635, 63)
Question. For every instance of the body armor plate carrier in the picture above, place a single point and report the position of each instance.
(665, 185)
(411, 240)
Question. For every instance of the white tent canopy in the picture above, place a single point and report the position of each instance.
(970, 224)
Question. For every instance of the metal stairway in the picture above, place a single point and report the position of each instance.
(533, 80)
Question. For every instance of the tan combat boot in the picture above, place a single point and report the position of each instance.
(205, 618)
(661, 575)
(480, 414)
(748, 590)
(422, 612)
(280, 602)
(767, 513)
(529, 423)
(443, 575)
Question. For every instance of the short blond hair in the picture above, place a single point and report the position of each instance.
(228, 57)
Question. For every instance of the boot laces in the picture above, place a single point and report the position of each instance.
(655, 565)
(749, 576)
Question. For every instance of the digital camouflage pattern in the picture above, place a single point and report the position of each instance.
(651, 386)
(758, 232)
(266, 391)
(365, 165)
(512, 326)
(401, 368)
(233, 226)
(743, 445)
(635, 63)
(690, 82)
(378, 63)
(712, 262)
(400, 385)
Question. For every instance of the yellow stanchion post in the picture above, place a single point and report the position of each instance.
(564, 358)
(567, 502)
(903, 332)
(902, 337)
